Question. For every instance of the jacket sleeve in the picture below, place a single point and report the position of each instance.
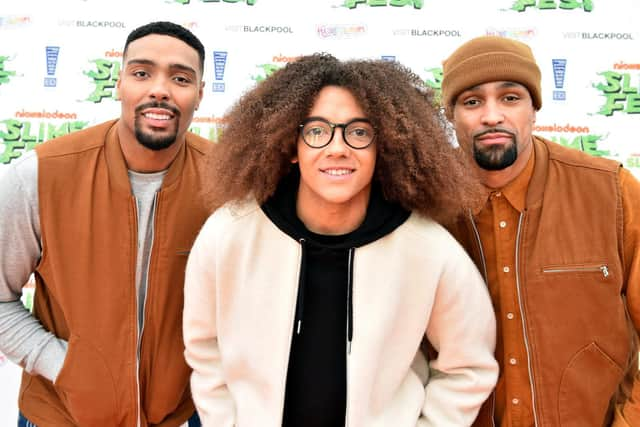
(23, 339)
(462, 329)
(210, 393)
(628, 412)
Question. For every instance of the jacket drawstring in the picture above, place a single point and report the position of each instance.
(350, 301)
(301, 286)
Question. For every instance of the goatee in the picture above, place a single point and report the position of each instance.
(495, 157)
(148, 139)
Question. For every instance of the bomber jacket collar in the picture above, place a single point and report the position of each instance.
(118, 165)
(535, 193)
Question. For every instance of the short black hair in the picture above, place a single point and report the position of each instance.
(166, 28)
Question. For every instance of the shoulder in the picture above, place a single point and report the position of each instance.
(423, 226)
(576, 158)
(198, 143)
(20, 177)
(232, 215)
(76, 142)
(430, 237)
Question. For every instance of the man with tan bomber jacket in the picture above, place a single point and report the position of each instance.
(105, 218)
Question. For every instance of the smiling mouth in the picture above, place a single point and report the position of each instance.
(338, 172)
(157, 116)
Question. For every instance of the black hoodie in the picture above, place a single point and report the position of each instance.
(315, 393)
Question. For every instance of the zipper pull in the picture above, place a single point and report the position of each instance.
(605, 270)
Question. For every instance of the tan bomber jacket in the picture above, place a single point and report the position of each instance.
(86, 292)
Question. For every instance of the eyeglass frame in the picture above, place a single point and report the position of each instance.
(333, 127)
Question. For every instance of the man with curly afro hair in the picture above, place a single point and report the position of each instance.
(311, 287)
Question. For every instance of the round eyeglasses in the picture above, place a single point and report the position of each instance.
(318, 132)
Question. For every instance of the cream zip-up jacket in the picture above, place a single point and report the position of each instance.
(240, 300)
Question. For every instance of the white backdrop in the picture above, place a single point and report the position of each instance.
(59, 61)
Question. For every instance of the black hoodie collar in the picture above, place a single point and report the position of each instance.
(382, 216)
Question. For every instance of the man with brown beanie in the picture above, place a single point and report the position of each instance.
(557, 240)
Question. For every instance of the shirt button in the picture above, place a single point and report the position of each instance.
(512, 361)
(505, 269)
(503, 224)
(510, 316)
(515, 401)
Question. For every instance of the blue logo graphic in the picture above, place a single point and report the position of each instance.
(219, 62)
(52, 62)
(559, 70)
(389, 58)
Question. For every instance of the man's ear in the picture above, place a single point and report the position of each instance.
(200, 94)
(117, 95)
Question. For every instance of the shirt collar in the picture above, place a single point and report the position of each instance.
(516, 191)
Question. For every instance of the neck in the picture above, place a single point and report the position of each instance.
(142, 159)
(332, 220)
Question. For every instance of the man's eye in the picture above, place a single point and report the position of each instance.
(182, 79)
(316, 131)
(140, 73)
(359, 132)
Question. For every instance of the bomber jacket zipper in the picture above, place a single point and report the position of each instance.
(349, 330)
(486, 281)
(135, 310)
(479, 242)
(524, 322)
(140, 322)
(577, 269)
(298, 312)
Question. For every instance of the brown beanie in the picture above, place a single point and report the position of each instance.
(489, 59)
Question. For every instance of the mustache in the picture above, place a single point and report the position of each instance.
(494, 130)
(156, 104)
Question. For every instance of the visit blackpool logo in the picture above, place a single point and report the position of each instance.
(104, 76)
(5, 75)
(621, 90)
(249, 2)
(524, 5)
(352, 4)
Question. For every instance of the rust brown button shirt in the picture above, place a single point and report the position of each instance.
(497, 224)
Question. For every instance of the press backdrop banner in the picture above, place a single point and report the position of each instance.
(59, 62)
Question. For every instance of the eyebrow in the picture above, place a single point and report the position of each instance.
(178, 66)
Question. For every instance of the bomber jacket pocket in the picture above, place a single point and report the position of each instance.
(85, 385)
(601, 268)
(586, 387)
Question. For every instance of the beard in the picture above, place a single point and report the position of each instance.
(495, 157)
(149, 139)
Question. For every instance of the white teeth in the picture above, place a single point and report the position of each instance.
(157, 116)
(338, 172)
